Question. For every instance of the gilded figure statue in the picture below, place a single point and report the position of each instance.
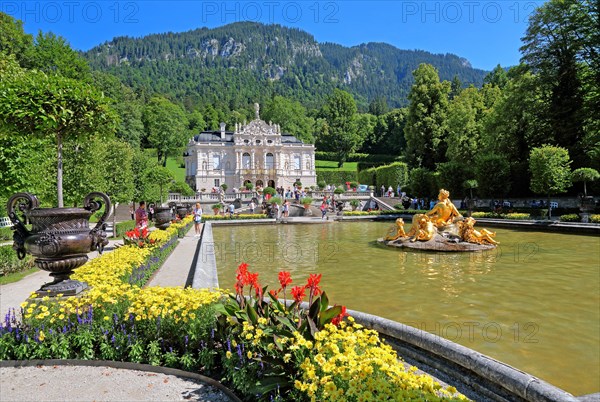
(469, 234)
(422, 229)
(397, 231)
(444, 213)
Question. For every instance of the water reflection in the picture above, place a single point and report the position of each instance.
(519, 303)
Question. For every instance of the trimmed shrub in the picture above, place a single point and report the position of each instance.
(354, 157)
(595, 218)
(335, 177)
(10, 263)
(570, 218)
(123, 227)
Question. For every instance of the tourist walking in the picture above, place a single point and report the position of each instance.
(231, 210)
(141, 216)
(252, 206)
(197, 219)
(323, 209)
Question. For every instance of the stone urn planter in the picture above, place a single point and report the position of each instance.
(60, 238)
(182, 211)
(162, 217)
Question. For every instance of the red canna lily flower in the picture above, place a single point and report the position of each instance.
(274, 293)
(252, 278)
(298, 293)
(285, 279)
(313, 284)
(340, 317)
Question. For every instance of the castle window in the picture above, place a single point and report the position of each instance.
(246, 160)
(270, 161)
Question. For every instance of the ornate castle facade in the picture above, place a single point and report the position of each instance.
(257, 152)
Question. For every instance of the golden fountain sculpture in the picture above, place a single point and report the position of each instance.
(444, 227)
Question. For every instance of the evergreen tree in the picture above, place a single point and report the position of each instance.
(424, 130)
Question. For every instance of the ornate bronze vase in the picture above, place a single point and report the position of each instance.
(182, 211)
(162, 217)
(60, 238)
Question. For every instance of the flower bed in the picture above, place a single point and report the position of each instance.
(265, 349)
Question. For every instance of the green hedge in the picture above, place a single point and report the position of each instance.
(387, 175)
(6, 234)
(331, 156)
(335, 177)
(10, 263)
(570, 218)
(123, 227)
(595, 218)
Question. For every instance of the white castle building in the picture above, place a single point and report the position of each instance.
(257, 153)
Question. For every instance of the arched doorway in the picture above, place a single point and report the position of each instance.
(259, 183)
(272, 183)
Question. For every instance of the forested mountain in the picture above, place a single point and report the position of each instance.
(243, 62)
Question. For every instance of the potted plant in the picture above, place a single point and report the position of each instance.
(353, 185)
(276, 200)
(354, 204)
(224, 187)
(269, 192)
(321, 184)
(298, 184)
(306, 201)
(249, 186)
(216, 208)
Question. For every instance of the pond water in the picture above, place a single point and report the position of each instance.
(534, 302)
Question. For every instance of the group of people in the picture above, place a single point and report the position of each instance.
(390, 191)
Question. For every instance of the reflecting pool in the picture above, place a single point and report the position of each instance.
(533, 303)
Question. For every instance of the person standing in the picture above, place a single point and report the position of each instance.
(252, 206)
(286, 208)
(323, 209)
(231, 210)
(197, 218)
(132, 211)
(141, 216)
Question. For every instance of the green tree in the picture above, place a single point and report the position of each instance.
(463, 124)
(378, 106)
(452, 175)
(118, 168)
(497, 77)
(424, 130)
(339, 132)
(13, 39)
(62, 108)
(557, 47)
(158, 178)
(422, 182)
(550, 171)
(493, 175)
(585, 175)
(53, 55)
(25, 163)
(166, 127)
(292, 117)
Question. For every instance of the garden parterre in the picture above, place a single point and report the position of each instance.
(264, 351)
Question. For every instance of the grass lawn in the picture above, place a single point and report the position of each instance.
(17, 276)
(177, 171)
(332, 165)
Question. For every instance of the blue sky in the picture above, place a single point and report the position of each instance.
(485, 32)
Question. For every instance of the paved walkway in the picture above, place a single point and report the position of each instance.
(176, 269)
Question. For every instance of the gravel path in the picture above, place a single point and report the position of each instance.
(86, 383)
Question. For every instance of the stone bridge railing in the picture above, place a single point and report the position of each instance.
(246, 196)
